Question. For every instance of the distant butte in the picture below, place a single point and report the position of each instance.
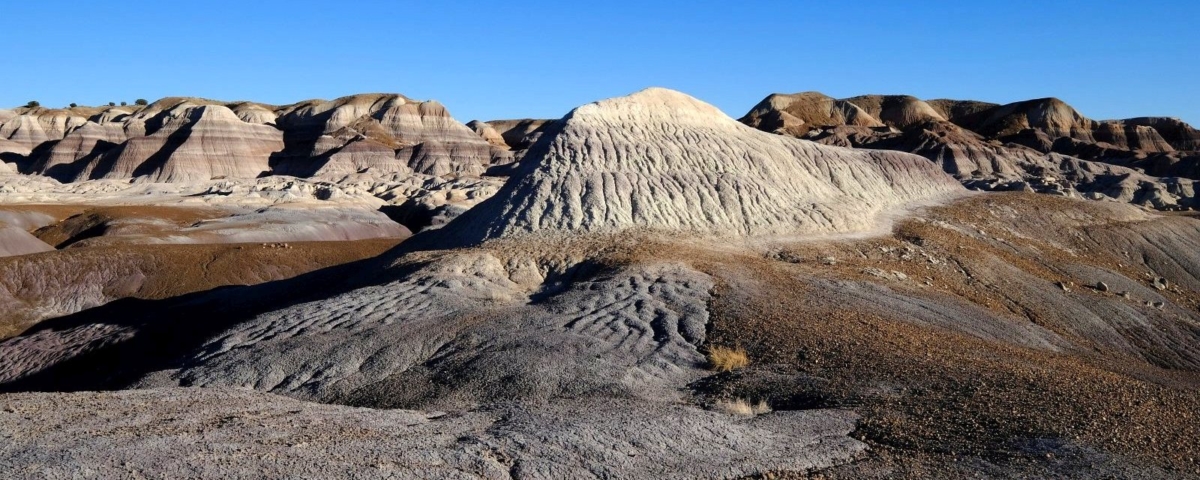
(1041, 145)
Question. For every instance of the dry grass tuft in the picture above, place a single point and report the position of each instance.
(743, 407)
(725, 359)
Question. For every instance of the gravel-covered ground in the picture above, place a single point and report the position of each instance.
(1001, 336)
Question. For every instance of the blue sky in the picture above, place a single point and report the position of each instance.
(513, 59)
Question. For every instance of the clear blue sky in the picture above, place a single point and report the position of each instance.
(507, 59)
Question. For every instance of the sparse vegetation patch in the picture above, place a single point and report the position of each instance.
(725, 359)
(743, 407)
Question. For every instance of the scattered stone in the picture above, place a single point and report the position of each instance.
(1101, 286)
(889, 275)
(785, 256)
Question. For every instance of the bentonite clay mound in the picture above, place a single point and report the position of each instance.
(659, 159)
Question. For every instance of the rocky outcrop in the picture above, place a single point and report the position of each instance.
(659, 159)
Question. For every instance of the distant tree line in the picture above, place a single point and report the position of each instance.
(139, 102)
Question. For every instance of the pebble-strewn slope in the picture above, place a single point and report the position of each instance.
(229, 433)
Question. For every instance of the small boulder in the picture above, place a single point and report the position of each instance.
(785, 256)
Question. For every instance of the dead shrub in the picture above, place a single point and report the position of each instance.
(743, 407)
(725, 359)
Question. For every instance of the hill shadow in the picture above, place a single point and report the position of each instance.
(165, 332)
(68, 172)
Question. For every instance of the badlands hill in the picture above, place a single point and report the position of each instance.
(1040, 145)
(189, 139)
(659, 159)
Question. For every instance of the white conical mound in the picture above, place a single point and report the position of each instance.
(662, 160)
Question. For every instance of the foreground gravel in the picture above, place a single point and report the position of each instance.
(230, 433)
